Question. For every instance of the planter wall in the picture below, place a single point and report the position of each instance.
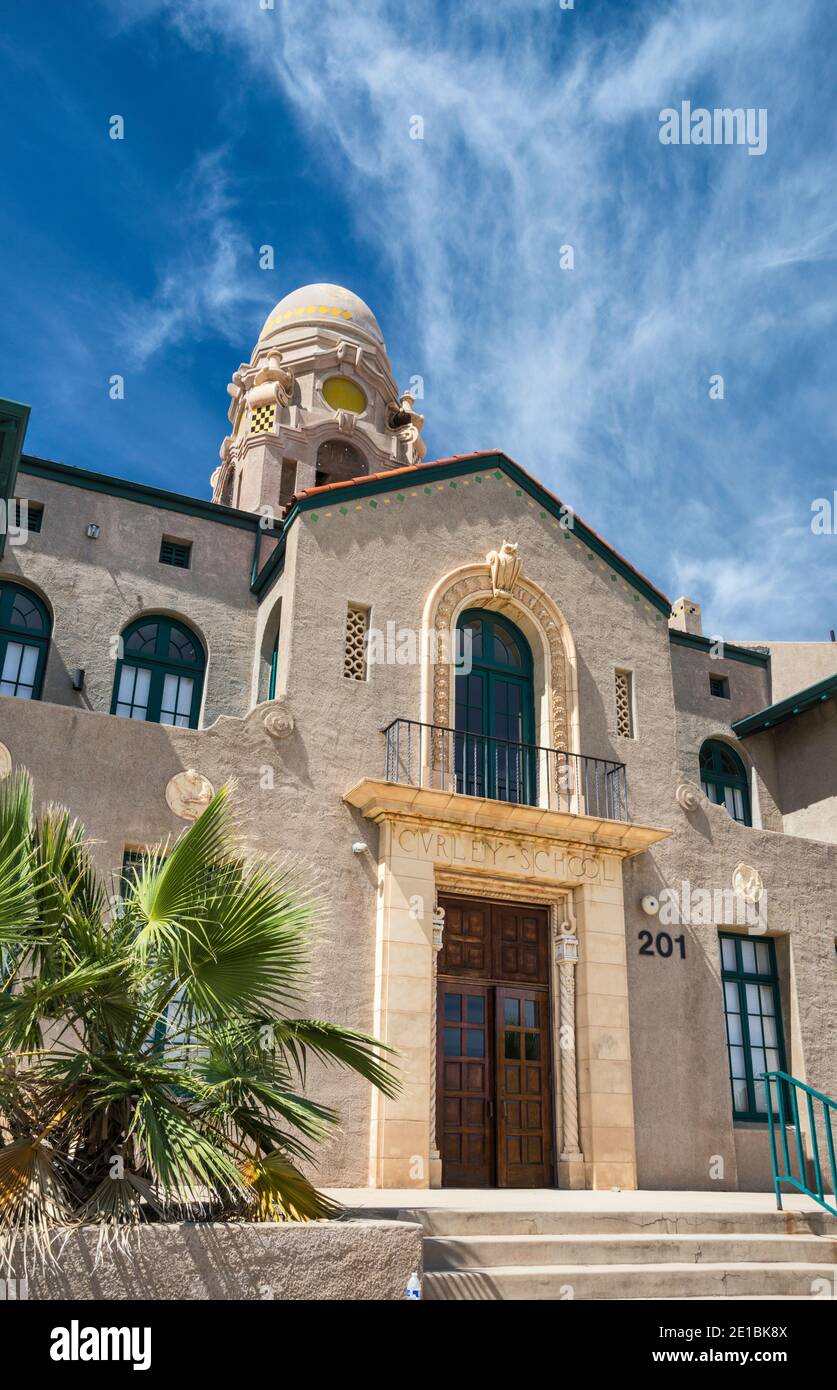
(321, 1260)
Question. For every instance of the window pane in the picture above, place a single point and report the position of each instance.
(739, 1096)
(762, 958)
(453, 1007)
(731, 996)
(759, 1060)
(532, 1047)
(766, 1000)
(177, 700)
(736, 1059)
(756, 1037)
(512, 1011)
(748, 957)
(769, 1027)
(19, 667)
(752, 998)
(734, 1033)
(530, 1013)
(727, 953)
(26, 614)
(474, 1042)
(761, 1100)
(512, 1047)
(132, 695)
(143, 641)
(772, 1059)
(451, 1042)
(476, 1008)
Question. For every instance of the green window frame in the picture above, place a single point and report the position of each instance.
(25, 632)
(723, 778)
(159, 674)
(493, 757)
(274, 668)
(753, 1020)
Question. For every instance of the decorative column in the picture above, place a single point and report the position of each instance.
(438, 939)
(570, 1159)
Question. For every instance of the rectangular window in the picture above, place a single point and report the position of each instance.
(177, 553)
(354, 652)
(131, 864)
(719, 685)
(753, 1014)
(625, 704)
(20, 666)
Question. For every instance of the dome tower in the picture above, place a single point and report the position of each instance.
(316, 403)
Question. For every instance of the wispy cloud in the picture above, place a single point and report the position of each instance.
(541, 131)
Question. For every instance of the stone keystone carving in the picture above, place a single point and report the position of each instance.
(689, 796)
(188, 793)
(748, 882)
(505, 568)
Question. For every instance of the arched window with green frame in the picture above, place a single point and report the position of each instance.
(495, 712)
(25, 630)
(159, 673)
(723, 778)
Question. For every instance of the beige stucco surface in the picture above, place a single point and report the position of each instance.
(237, 1261)
(665, 1015)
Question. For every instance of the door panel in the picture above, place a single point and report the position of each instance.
(524, 1122)
(494, 1119)
(465, 1084)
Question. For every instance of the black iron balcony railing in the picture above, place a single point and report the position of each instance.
(430, 755)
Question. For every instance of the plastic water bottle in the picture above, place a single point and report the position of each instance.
(413, 1289)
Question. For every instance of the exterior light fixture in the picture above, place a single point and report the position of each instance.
(650, 905)
(359, 847)
(78, 679)
(93, 530)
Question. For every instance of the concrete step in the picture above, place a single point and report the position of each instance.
(511, 1251)
(513, 1283)
(442, 1221)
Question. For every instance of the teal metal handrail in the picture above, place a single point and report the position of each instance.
(789, 1085)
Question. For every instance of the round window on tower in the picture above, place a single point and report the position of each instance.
(342, 394)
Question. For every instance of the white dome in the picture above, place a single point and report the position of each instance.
(323, 304)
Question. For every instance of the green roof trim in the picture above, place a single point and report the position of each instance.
(783, 710)
(14, 418)
(493, 467)
(140, 493)
(731, 652)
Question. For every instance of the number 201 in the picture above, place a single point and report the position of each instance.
(662, 945)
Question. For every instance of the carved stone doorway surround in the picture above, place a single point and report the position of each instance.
(563, 958)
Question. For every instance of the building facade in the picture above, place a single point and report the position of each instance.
(579, 860)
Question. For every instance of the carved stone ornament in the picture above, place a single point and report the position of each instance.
(505, 567)
(5, 761)
(188, 793)
(438, 928)
(748, 882)
(689, 796)
(566, 944)
(278, 721)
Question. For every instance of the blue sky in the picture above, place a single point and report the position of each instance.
(291, 126)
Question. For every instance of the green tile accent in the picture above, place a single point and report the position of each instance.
(401, 497)
(373, 504)
(344, 511)
(428, 490)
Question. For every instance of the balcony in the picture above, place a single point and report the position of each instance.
(522, 774)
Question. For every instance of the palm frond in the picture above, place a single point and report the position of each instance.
(277, 1191)
(334, 1045)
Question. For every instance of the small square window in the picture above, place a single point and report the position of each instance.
(177, 553)
(719, 685)
(32, 512)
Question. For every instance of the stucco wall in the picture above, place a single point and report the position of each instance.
(320, 1261)
(95, 587)
(289, 793)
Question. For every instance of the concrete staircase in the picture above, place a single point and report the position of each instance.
(477, 1254)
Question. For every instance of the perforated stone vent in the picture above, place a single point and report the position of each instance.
(624, 710)
(354, 656)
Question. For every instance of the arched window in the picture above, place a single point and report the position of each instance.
(25, 629)
(724, 779)
(338, 461)
(159, 676)
(494, 710)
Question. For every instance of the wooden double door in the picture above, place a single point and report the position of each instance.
(494, 1112)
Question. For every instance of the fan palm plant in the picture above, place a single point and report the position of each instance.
(149, 1065)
